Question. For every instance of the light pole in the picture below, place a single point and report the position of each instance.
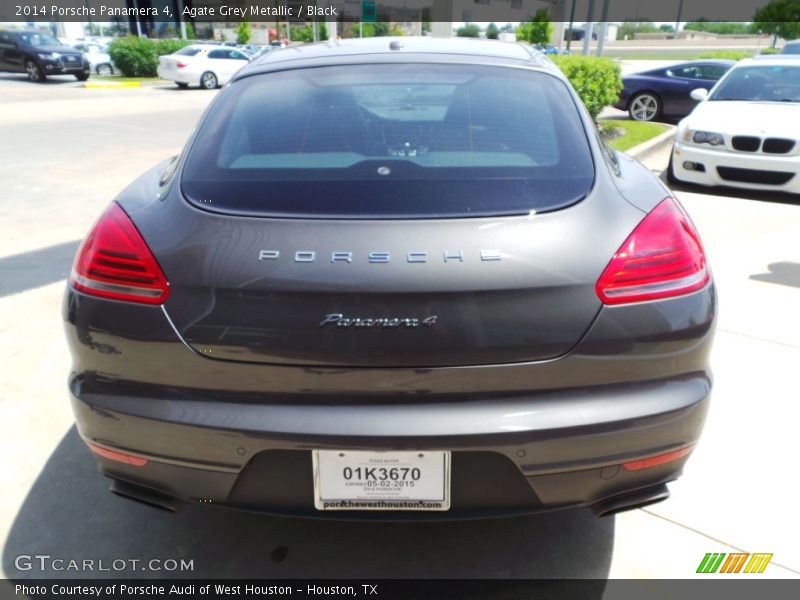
(571, 22)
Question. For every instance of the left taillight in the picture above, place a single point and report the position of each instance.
(115, 262)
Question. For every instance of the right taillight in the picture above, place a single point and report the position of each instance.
(182, 64)
(114, 262)
(663, 257)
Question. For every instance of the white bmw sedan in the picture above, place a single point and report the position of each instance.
(745, 132)
(207, 65)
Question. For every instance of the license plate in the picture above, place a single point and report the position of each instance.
(364, 480)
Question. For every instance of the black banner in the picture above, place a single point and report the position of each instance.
(734, 588)
(500, 11)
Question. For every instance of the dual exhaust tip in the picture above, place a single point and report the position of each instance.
(631, 500)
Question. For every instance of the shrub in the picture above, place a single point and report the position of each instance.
(727, 54)
(138, 57)
(770, 51)
(597, 80)
(469, 30)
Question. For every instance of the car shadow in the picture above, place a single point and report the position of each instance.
(52, 80)
(167, 87)
(69, 514)
(730, 192)
(781, 273)
(28, 270)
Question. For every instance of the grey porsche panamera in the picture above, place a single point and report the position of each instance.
(393, 279)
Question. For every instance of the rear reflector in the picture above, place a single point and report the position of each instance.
(135, 461)
(655, 461)
(663, 257)
(115, 262)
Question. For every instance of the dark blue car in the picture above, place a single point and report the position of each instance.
(663, 94)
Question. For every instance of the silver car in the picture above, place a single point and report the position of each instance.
(393, 278)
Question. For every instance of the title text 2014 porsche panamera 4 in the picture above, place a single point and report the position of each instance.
(393, 279)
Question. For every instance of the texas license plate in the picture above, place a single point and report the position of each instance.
(365, 480)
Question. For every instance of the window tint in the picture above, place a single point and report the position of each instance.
(712, 72)
(188, 51)
(769, 83)
(235, 55)
(391, 140)
(791, 49)
(38, 39)
(218, 54)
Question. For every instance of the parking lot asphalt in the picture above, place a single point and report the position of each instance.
(67, 151)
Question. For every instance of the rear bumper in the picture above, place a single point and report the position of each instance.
(524, 437)
(510, 455)
(177, 76)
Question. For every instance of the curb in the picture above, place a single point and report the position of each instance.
(111, 85)
(653, 146)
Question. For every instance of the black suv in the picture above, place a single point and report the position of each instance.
(39, 55)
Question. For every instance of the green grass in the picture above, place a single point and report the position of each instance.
(728, 54)
(119, 79)
(639, 54)
(635, 132)
(685, 54)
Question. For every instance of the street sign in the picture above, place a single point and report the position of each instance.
(368, 12)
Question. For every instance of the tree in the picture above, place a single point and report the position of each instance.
(469, 30)
(306, 33)
(779, 18)
(539, 30)
(721, 28)
(492, 32)
(377, 29)
(666, 28)
(629, 29)
(507, 28)
(243, 33)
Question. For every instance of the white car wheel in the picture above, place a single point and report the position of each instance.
(209, 81)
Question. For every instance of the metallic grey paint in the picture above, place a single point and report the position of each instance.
(524, 363)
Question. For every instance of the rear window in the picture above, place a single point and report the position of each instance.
(188, 51)
(391, 141)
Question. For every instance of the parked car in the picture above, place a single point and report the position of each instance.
(39, 54)
(665, 93)
(548, 49)
(207, 65)
(746, 133)
(261, 52)
(792, 48)
(98, 57)
(393, 275)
